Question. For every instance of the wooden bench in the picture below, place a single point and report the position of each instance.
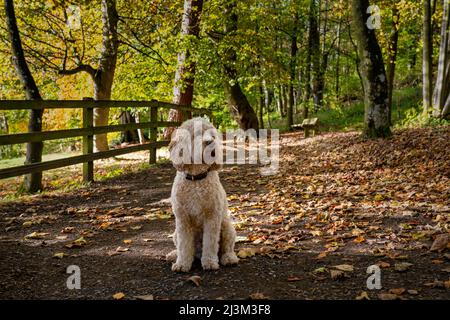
(308, 125)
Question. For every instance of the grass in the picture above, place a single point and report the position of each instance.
(341, 117)
(14, 162)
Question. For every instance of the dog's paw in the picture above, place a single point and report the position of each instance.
(179, 267)
(210, 264)
(229, 259)
(171, 256)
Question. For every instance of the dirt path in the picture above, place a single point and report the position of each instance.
(336, 201)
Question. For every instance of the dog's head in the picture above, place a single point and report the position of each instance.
(196, 147)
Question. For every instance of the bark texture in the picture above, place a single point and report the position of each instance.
(32, 182)
(376, 119)
(238, 103)
(183, 90)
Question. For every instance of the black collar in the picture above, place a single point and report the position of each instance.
(197, 177)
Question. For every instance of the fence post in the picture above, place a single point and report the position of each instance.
(153, 133)
(88, 142)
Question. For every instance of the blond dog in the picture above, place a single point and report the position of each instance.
(199, 202)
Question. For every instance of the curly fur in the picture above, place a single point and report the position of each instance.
(203, 223)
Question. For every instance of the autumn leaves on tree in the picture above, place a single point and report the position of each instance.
(253, 64)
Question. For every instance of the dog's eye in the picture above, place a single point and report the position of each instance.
(208, 142)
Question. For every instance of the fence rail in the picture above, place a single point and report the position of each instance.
(88, 131)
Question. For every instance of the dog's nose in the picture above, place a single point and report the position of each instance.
(213, 153)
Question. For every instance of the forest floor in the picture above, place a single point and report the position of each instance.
(338, 205)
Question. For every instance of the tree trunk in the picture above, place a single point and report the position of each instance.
(183, 90)
(373, 73)
(338, 59)
(440, 91)
(104, 76)
(240, 108)
(130, 136)
(307, 95)
(427, 56)
(283, 101)
(5, 123)
(32, 182)
(261, 105)
(392, 57)
(238, 103)
(139, 131)
(293, 72)
(314, 43)
(357, 60)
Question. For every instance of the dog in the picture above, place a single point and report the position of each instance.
(199, 202)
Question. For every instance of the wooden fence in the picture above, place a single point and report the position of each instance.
(88, 131)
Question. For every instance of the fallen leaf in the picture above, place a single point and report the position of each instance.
(413, 292)
(320, 270)
(446, 269)
(122, 249)
(259, 240)
(321, 255)
(363, 296)
(105, 225)
(336, 274)
(397, 291)
(258, 296)
(195, 280)
(437, 261)
(68, 230)
(440, 242)
(27, 224)
(59, 255)
(246, 253)
(266, 249)
(127, 241)
(359, 239)
(387, 296)
(241, 239)
(145, 297)
(402, 266)
(293, 279)
(447, 284)
(119, 296)
(344, 267)
(37, 235)
(383, 264)
(435, 284)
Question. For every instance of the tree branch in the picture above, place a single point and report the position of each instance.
(82, 67)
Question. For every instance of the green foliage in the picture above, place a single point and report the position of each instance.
(417, 118)
(150, 42)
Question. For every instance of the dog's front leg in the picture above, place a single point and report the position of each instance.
(211, 238)
(185, 247)
(228, 237)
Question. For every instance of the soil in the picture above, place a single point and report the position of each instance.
(136, 207)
